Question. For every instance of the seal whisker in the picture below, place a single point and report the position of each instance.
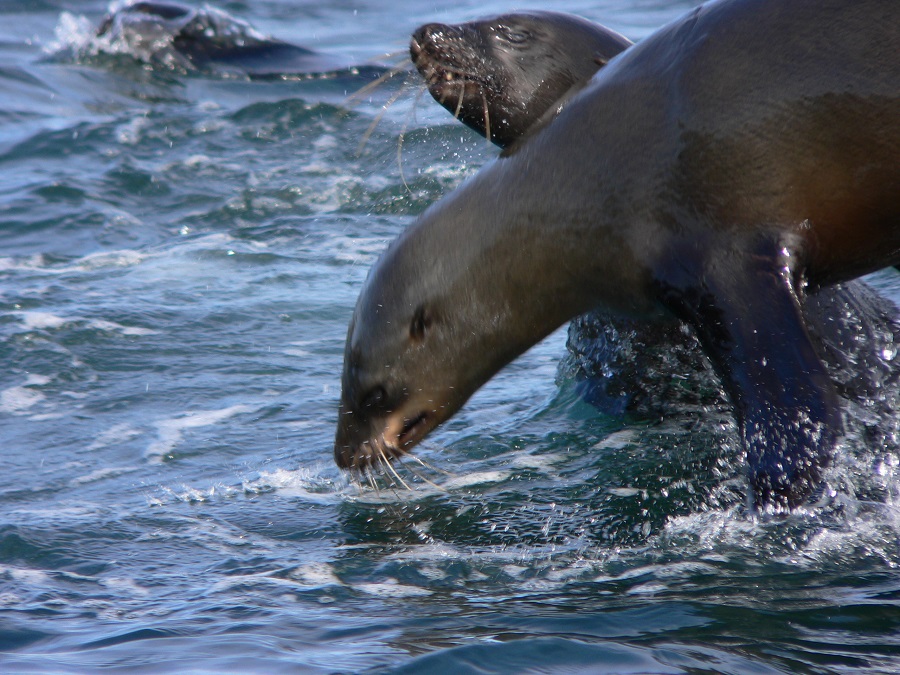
(385, 469)
(419, 475)
(413, 108)
(428, 466)
(388, 465)
(370, 476)
(402, 136)
(378, 118)
(487, 116)
(401, 55)
(377, 82)
(459, 103)
(445, 93)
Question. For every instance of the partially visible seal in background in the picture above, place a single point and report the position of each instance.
(518, 70)
(501, 75)
(211, 41)
(712, 173)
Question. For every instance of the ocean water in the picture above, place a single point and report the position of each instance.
(180, 253)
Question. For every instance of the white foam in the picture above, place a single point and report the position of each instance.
(120, 433)
(626, 492)
(32, 320)
(541, 461)
(131, 132)
(40, 320)
(111, 326)
(170, 431)
(32, 262)
(618, 440)
(392, 589)
(36, 577)
(100, 474)
(71, 32)
(477, 478)
(647, 589)
(35, 380)
(19, 400)
(121, 258)
(122, 584)
(38, 262)
(303, 484)
(315, 574)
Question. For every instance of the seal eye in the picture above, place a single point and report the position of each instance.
(514, 36)
(375, 397)
(420, 324)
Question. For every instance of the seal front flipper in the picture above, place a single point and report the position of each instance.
(746, 312)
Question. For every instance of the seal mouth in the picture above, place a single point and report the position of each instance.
(438, 70)
(412, 432)
(400, 433)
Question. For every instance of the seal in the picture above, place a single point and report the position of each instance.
(697, 176)
(621, 364)
(501, 75)
(211, 41)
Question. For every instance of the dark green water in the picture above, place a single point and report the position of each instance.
(179, 258)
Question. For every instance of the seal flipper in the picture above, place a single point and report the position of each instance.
(748, 319)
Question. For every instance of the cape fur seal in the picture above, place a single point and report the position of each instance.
(211, 41)
(501, 75)
(699, 175)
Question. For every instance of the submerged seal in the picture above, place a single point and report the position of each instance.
(501, 75)
(210, 41)
(698, 176)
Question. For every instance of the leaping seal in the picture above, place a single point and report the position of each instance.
(712, 173)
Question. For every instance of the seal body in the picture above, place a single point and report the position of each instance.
(531, 63)
(501, 75)
(712, 173)
(210, 41)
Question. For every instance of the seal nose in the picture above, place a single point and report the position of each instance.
(354, 444)
(434, 38)
(422, 38)
(428, 32)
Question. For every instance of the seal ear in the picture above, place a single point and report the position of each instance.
(420, 324)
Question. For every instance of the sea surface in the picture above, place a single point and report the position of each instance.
(180, 254)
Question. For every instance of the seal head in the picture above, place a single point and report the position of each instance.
(501, 75)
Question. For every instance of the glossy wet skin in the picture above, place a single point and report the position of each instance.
(712, 186)
(501, 75)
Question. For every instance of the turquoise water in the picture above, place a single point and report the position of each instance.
(179, 258)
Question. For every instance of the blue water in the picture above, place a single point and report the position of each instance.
(179, 258)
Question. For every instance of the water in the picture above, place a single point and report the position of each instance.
(180, 257)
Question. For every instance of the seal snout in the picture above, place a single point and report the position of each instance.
(362, 441)
(440, 53)
(356, 457)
